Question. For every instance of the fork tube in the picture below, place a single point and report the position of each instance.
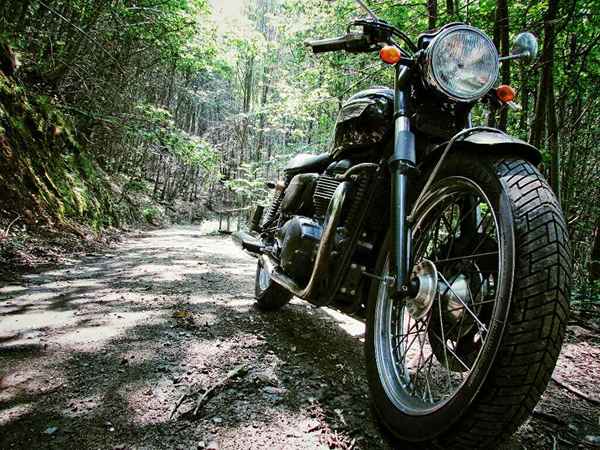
(401, 163)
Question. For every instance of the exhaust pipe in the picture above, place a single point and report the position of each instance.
(248, 242)
(319, 277)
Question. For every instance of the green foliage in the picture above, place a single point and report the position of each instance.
(138, 186)
(151, 214)
(154, 127)
(44, 173)
(201, 108)
(250, 187)
(304, 91)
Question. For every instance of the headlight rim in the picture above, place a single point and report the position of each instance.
(430, 75)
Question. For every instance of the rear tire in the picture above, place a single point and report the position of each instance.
(269, 295)
(521, 354)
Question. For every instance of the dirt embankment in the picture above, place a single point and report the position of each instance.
(116, 350)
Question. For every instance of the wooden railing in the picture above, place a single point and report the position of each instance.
(238, 216)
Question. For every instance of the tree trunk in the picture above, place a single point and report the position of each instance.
(450, 8)
(553, 141)
(503, 29)
(538, 129)
(261, 123)
(8, 62)
(157, 178)
(525, 91)
(432, 13)
(595, 257)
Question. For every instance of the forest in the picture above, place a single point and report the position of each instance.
(120, 112)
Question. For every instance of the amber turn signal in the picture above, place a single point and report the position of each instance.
(505, 93)
(390, 54)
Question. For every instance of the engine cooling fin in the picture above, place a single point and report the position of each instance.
(324, 190)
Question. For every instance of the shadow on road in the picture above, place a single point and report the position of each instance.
(96, 355)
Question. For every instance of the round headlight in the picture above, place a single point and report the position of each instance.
(462, 62)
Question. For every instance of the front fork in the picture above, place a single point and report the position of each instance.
(402, 162)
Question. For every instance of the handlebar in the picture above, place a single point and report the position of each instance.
(327, 45)
(373, 33)
(351, 42)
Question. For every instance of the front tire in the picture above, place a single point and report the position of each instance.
(493, 372)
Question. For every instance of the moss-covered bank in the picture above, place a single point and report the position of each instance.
(45, 175)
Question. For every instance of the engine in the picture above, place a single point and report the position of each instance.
(324, 189)
(304, 211)
(299, 240)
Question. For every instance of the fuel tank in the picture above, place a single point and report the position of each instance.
(364, 123)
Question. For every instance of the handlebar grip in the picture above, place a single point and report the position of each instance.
(327, 45)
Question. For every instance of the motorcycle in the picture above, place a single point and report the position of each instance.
(441, 235)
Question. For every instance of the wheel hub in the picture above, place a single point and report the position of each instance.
(264, 278)
(455, 296)
(426, 278)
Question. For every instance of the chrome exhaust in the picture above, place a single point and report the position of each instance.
(319, 277)
(248, 242)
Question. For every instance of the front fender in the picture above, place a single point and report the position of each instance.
(494, 142)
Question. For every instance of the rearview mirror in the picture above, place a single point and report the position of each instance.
(525, 46)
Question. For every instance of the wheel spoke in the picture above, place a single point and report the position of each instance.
(473, 209)
(405, 335)
(460, 258)
(483, 233)
(427, 375)
(451, 352)
(427, 361)
(450, 228)
(460, 327)
(453, 229)
(459, 308)
(419, 367)
(479, 322)
(437, 236)
(444, 346)
(403, 357)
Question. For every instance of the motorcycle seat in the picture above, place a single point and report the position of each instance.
(305, 162)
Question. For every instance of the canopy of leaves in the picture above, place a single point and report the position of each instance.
(205, 108)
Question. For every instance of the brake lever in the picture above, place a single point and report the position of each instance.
(359, 43)
(375, 31)
(382, 31)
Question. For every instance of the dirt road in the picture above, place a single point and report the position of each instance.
(97, 354)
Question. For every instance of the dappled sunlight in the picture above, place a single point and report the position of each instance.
(11, 290)
(453, 141)
(241, 305)
(353, 327)
(82, 407)
(88, 338)
(26, 382)
(23, 322)
(275, 426)
(117, 352)
(14, 413)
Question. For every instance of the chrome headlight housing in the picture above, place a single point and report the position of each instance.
(462, 63)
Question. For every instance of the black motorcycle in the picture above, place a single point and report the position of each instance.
(442, 235)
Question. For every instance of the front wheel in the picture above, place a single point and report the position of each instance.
(463, 359)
